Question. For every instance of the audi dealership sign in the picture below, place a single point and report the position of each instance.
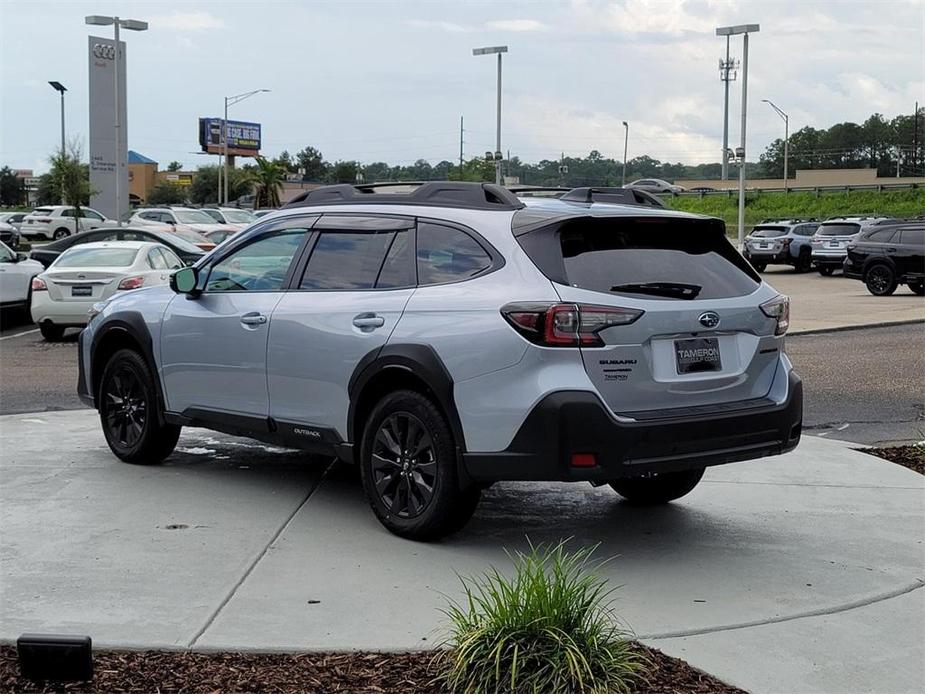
(243, 138)
(108, 158)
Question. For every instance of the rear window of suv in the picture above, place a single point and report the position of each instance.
(677, 259)
(838, 229)
(768, 232)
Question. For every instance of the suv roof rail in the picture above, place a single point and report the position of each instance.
(794, 220)
(618, 196)
(461, 194)
(528, 191)
(854, 216)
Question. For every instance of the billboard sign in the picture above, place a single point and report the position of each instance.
(108, 158)
(243, 138)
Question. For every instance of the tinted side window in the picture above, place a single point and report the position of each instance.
(68, 213)
(260, 265)
(880, 235)
(913, 237)
(90, 214)
(156, 260)
(346, 260)
(170, 259)
(446, 254)
(398, 269)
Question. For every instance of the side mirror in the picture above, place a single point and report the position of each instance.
(185, 281)
(21, 256)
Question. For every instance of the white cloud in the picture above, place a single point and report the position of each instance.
(516, 25)
(451, 27)
(187, 21)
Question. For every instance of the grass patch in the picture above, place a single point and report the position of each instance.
(759, 206)
(550, 628)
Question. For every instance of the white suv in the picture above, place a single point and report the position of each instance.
(59, 221)
(456, 335)
(187, 218)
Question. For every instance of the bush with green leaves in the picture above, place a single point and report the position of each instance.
(550, 628)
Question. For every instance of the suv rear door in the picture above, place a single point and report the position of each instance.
(348, 294)
(683, 274)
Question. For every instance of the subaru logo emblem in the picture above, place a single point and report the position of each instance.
(709, 319)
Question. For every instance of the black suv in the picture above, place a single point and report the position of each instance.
(887, 255)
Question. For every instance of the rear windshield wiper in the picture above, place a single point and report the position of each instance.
(675, 290)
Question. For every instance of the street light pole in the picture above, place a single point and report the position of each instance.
(57, 86)
(786, 140)
(626, 140)
(743, 29)
(231, 101)
(497, 155)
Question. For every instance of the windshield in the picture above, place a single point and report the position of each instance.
(97, 257)
(838, 229)
(239, 216)
(768, 232)
(193, 217)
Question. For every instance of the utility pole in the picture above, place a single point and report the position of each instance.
(497, 153)
(626, 141)
(726, 74)
(915, 141)
(461, 141)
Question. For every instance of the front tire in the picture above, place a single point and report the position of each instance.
(826, 271)
(50, 331)
(129, 411)
(880, 279)
(409, 469)
(759, 267)
(657, 488)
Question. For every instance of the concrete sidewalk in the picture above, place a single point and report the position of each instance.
(797, 573)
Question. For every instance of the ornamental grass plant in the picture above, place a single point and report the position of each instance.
(549, 628)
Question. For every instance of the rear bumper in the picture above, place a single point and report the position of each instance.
(835, 259)
(569, 422)
(763, 257)
(83, 388)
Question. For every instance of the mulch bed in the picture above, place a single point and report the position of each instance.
(912, 457)
(214, 673)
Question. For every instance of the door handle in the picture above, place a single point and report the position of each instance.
(368, 320)
(890, 250)
(253, 319)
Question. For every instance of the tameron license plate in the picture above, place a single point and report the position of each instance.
(81, 291)
(697, 355)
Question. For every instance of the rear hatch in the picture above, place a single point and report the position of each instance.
(701, 339)
(766, 240)
(832, 238)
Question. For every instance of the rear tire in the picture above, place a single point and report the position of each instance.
(657, 488)
(880, 279)
(129, 411)
(826, 271)
(409, 469)
(759, 267)
(61, 233)
(50, 331)
(917, 288)
(804, 262)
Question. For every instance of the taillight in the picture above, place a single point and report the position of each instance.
(786, 242)
(566, 325)
(38, 284)
(131, 282)
(779, 309)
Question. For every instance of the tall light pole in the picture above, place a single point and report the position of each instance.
(231, 101)
(626, 141)
(727, 74)
(497, 156)
(786, 140)
(743, 29)
(57, 86)
(131, 25)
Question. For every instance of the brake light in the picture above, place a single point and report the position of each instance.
(132, 282)
(566, 325)
(38, 284)
(786, 242)
(779, 309)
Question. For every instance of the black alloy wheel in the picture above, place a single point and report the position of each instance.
(404, 465)
(125, 407)
(880, 280)
(804, 262)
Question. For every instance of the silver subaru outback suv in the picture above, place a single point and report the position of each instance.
(453, 335)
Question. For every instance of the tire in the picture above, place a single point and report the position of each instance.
(759, 267)
(50, 331)
(880, 279)
(804, 262)
(826, 271)
(129, 411)
(26, 311)
(415, 496)
(657, 488)
(61, 233)
(917, 288)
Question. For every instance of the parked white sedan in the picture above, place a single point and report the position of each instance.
(16, 273)
(92, 272)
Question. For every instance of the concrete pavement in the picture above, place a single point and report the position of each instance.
(802, 572)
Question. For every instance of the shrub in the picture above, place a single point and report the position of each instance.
(549, 629)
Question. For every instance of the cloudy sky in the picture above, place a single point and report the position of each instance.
(388, 81)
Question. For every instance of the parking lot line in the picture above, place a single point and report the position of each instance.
(27, 332)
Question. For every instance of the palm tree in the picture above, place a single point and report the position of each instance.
(268, 180)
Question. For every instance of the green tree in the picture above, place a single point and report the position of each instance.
(167, 193)
(312, 163)
(344, 172)
(286, 162)
(378, 171)
(174, 166)
(268, 182)
(204, 189)
(12, 188)
(70, 177)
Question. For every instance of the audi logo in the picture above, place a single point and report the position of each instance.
(709, 319)
(104, 51)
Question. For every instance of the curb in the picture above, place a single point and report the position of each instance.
(843, 328)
